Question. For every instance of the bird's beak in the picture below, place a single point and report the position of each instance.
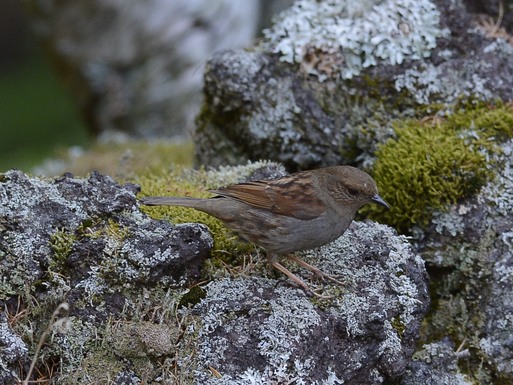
(377, 199)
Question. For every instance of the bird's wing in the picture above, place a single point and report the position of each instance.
(281, 196)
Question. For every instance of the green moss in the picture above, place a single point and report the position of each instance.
(192, 297)
(491, 123)
(430, 165)
(124, 160)
(116, 230)
(61, 243)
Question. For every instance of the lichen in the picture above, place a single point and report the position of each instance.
(427, 84)
(341, 38)
(499, 194)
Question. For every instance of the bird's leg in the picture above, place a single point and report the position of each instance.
(313, 269)
(273, 260)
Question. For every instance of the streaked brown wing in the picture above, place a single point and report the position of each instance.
(279, 196)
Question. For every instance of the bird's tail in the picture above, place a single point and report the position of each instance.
(172, 201)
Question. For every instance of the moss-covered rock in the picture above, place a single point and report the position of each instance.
(328, 80)
(139, 311)
(432, 164)
(179, 182)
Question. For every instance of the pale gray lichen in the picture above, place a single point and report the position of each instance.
(436, 363)
(252, 332)
(498, 335)
(449, 221)
(12, 350)
(499, 45)
(348, 249)
(227, 175)
(344, 37)
(428, 83)
(474, 240)
(499, 192)
(288, 319)
(74, 345)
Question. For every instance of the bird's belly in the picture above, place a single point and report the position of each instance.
(283, 234)
(309, 234)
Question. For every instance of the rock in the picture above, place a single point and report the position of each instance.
(86, 242)
(136, 312)
(327, 91)
(255, 332)
(435, 364)
(13, 350)
(468, 249)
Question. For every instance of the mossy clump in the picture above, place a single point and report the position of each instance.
(488, 123)
(430, 165)
(62, 243)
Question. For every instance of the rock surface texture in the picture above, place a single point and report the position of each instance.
(419, 93)
(84, 242)
(254, 332)
(134, 313)
(328, 79)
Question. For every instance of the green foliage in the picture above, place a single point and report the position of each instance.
(399, 326)
(192, 297)
(492, 123)
(124, 160)
(429, 165)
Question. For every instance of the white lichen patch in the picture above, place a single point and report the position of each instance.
(385, 285)
(231, 309)
(499, 192)
(428, 83)
(270, 325)
(227, 175)
(341, 38)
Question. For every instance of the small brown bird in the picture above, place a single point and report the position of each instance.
(300, 211)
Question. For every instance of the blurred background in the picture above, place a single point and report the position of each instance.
(37, 115)
(77, 73)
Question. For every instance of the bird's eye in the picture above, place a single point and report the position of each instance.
(351, 191)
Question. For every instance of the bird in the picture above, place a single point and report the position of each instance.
(300, 211)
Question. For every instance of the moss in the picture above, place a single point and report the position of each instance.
(97, 367)
(432, 164)
(61, 243)
(490, 122)
(117, 231)
(192, 297)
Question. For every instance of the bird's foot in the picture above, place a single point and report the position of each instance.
(298, 281)
(314, 269)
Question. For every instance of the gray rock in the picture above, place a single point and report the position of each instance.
(323, 86)
(255, 332)
(435, 364)
(469, 251)
(12, 349)
(253, 109)
(133, 319)
(87, 238)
